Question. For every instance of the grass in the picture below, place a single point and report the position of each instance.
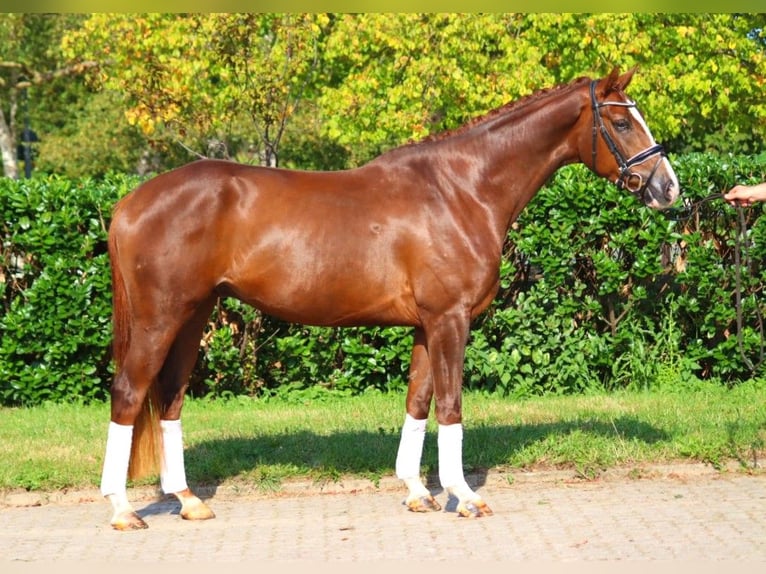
(265, 443)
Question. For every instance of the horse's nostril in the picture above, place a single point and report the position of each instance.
(669, 190)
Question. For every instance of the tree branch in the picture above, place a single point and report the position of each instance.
(35, 78)
(43, 77)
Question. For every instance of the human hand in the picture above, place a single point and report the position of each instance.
(745, 195)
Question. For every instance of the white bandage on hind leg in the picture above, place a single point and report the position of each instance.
(173, 473)
(410, 448)
(450, 444)
(114, 476)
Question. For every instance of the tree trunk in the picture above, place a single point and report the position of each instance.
(8, 149)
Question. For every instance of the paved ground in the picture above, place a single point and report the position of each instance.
(682, 513)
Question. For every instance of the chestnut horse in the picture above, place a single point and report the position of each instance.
(412, 238)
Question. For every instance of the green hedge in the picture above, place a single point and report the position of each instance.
(56, 316)
(597, 292)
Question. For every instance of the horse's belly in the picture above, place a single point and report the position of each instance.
(338, 311)
(329, 300)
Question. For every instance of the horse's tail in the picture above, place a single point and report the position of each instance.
(146, 449)
(120, 316)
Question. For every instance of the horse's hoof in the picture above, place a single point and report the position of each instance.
(196, 510)
(424, 504)
(203, 513)
(474, 509)
(192, 508)
(128, 521)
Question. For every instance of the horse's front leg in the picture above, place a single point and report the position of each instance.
(450, 444)
(408, 458)
(446, 342)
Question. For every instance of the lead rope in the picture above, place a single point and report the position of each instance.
(741, 250)
(741, 247)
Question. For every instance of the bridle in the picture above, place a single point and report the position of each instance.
(627, 179)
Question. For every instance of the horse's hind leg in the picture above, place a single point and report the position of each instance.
(158, 352)
(173, 381)
(114, 477)
(139, 369)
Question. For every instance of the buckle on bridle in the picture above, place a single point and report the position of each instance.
(631, 181)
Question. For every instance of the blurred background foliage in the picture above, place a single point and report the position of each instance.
(142, 93)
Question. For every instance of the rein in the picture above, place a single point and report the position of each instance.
(629, 180)
(741, 256)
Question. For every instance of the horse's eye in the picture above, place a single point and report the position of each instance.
(621, 125)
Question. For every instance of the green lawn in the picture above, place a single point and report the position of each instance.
(263, 443)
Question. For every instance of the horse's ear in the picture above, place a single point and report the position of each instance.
(613, 76)
(616, 82)
(623, 81)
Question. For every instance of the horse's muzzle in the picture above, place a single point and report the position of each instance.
(662, 191)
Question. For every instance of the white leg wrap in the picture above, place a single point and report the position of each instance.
(410, 448)
(114, 476)
(450, 443)
(173, 473)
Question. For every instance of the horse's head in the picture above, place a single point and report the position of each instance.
(622, 147)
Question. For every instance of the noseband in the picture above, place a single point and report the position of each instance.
(629, 180)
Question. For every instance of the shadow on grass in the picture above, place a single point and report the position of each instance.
(372, 454)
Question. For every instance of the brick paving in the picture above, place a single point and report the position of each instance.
(686, 514)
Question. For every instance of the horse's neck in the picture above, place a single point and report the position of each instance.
(519, 152)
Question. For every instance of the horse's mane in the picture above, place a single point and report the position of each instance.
(512, 108)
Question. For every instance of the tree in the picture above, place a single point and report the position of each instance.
(701, 75)
(94, 139)
(399, 77)
(30, 59)
(343, 88)
(402, 76)
(216, 84)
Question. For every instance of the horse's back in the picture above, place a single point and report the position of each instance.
(218, 181)
(163, 192)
